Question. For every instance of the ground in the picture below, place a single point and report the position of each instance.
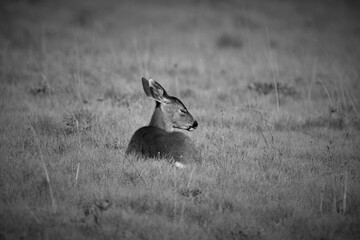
(274, 86)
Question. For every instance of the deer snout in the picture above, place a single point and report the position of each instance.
(193, 126)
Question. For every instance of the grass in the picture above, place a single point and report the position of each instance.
(275, 166)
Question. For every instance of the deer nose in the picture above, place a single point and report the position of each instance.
(195, 124)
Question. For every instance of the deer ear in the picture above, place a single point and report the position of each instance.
(157, 92)
(146, 86)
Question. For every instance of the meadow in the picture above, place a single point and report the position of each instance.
(274, 86)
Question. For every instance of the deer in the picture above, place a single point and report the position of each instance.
(160, 139)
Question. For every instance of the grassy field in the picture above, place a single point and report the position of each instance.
(274, 86)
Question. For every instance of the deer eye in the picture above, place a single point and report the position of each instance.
(183, 111)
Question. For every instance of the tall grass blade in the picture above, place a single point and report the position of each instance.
(37, 142)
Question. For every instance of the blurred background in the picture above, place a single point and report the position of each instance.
(227, 49)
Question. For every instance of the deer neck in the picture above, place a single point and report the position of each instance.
(158, 119)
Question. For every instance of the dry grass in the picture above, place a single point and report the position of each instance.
(275, 165)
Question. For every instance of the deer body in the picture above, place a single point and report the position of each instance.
(158, 139)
